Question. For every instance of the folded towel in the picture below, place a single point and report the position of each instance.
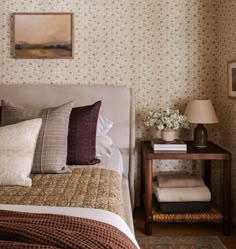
(184, 207)
(181, 194)
(179, 181)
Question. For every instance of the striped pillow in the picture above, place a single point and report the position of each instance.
(51, 149)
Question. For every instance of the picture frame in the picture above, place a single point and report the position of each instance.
(44, 35)
(231, 72)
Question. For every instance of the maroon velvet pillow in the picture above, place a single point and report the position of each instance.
(81, 147)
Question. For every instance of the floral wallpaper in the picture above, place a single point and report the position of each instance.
(167, 50)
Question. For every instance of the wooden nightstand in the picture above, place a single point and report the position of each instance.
(212, 152)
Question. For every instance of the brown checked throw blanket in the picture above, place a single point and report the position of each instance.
(48, 231)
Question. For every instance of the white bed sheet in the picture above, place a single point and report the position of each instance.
(90, 213)
(114, 162)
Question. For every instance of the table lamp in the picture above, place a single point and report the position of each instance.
(200, 112)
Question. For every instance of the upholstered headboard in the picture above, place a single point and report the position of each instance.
(117, 105)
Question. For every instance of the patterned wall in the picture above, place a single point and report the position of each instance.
(166, 50)
(227, 106)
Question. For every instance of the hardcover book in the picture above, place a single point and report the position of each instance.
(176, 145)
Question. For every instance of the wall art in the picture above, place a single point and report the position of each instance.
(232, 78)
(43, 35)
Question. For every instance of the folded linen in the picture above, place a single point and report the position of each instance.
(181, 194)
(179, 181)
(184, 207)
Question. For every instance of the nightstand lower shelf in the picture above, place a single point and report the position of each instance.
(212, 216)
(206, 155)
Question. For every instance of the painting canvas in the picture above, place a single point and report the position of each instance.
(232, 78)
(43, 35)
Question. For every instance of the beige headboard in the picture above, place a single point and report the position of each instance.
(117, 105)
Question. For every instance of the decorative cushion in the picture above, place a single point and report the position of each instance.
(51, 149)
(17, 147)
(82, 135)
(103, 147)
(103, 126)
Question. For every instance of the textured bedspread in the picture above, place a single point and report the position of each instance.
(36, 231)
(85, 187)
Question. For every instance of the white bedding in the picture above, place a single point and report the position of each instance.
(90, 213)
(114, 162)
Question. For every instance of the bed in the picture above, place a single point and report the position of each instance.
(117, 105)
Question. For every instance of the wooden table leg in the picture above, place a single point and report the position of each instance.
(227, 197)
(207, 177)
(148, 197)
(142, 187)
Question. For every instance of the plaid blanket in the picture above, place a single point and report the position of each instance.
(48, 231)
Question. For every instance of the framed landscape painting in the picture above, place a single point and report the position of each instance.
(43, 35)
(232, 78)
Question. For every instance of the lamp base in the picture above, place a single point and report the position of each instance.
(200, 136)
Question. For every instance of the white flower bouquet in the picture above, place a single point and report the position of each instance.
(168, 119)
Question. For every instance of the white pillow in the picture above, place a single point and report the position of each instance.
(17, 146)
(103, 147)
(103, 126)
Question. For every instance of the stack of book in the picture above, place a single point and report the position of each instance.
(177, 145)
